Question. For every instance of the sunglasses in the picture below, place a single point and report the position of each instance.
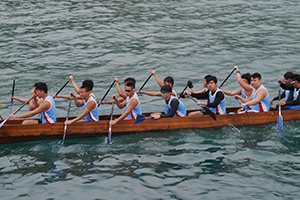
(163, 92)
(129, 90)
(293, 82)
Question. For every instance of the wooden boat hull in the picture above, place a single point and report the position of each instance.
(13, 131)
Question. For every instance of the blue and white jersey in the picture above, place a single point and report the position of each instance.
(295, 96)
(245, 97)
(220, 109)
(264, 104)
(287, 93)
(136, 111)
(93, 115)
(174, 93)
(49, 116)
(181, 111)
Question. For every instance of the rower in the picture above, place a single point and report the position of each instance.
(167, 81)
(260, 98)
(287, 81)
(190, 85)
(293, 101)
(88, 83)
(245, 91)
(174, 107)
(132, 104)
(90, 109)
(215, 98)
(46, 108)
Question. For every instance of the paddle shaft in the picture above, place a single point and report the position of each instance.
(107, 92)
(65, 129)
(182, 91)
(226, 78)
(145, 82)
(16, 111)
(12, 94)
(280, 119)
(61, 88)
(111, 116)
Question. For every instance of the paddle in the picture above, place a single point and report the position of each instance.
(206, 109)
(141, 118)
(145, 82)
(280, 119)
(65, 129)
(12, 94)
(16, 111)
(61, 88)
(182, 91)
(107, 92)
(111, 116)
(226, 78)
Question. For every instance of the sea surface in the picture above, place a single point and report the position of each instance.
(50, 40)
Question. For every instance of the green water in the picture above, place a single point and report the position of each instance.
(99, 40)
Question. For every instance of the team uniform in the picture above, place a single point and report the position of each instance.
(93, 115)
(171, 105)
(264, 104)
(136, 111)
(49, 116)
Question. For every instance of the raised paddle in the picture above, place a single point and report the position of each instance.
(12, 94)
(182, 91)
(111, 116)
(280, 119)
(61, 88)
(107, 92)
(226, 78)
(65, 129)
(145, 82)
(16, 111)
(206, 109)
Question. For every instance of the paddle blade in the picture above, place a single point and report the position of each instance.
(140, 118)
(210, 113)
(280, 123)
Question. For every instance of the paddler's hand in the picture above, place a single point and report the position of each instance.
(273, 107)
(153, 72)
(68, 122)
(279, 81)
(113, 122)
(281, 103)
(243, 105)
(201, 103)
(71, 78)
(116, 79)
(11, 116)
(155, 115)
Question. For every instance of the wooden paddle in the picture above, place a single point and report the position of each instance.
(145, 82)
(61, 88)
(65, 129)
(12, 94)
(16, 111)
(226, 78)
(206, 109)
(280, 118)
(106, 92)
(111, 116)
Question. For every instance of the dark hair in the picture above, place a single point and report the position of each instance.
(129, 79)
(288, 75)
(86, 87)
(41, 86)
(247, 76)
(296, 77)
(256, 75)
(166, 88)
(170, 80)
(88, 83)
(130, 84)
(212, 78)
(207, 77)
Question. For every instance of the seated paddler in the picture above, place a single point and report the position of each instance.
(46, 108)
(90, 109)
(174, 107)
(215, 98)
(131, 105)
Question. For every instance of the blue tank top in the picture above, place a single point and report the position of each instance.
(295, 96)
(220, 109)
(264, 104)
(49, 116)
(136, 111)
(245, 97)
(93, 115)
(181, 111)
(287, 93)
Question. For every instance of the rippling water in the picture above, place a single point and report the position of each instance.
(50, 40)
